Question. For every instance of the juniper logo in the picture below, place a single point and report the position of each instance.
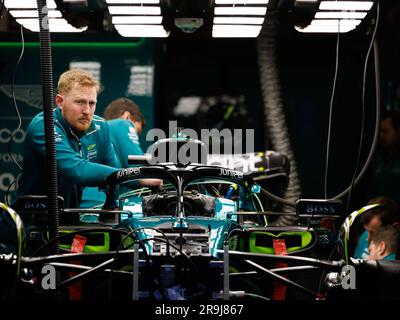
(127, 172)
(231, 173)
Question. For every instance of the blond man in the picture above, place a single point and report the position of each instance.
(85, 155)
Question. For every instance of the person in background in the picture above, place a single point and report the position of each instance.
(386, 215)
(126, 123)
(385, 168)
(85, 155)
(384, 243)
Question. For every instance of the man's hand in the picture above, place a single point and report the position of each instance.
(151, 182)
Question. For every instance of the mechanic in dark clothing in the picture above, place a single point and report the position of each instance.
(85, 154)
(386, 165)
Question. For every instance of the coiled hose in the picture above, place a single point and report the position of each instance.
(274, 114)
(47, 91)
(275, 120)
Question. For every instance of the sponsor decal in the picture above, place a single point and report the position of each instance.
(128, 172)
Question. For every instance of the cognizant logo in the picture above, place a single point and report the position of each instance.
(17, 135)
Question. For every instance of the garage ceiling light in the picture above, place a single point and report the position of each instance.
(234, 34)
(133, 1)
(247, 11)
(33, 13)
(241, 1)
(33, 21)
(134, 10)
(56, 25)
(340, 15)
(137, 20)
(235, 31)
(238, 20)
(335, 22)
(27, 4)
(26, 14)
(325, 29)
(236, 27)
(151, 33)
(139, 27)
(345, 5)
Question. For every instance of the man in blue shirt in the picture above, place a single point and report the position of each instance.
(125, 122)
(384, 243)
(85, 154)
(386, 215)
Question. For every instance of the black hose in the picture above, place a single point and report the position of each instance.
(275, 117)
(377, 122)
(374, 141)
(47, 91)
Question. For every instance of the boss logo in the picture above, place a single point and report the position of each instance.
(320, 209)
(37, 205)
(308, 207)
(35, 236)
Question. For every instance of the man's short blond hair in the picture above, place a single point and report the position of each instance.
(77, 76)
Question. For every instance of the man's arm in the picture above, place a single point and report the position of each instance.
(127, 143)
(110, 157)
(70, 164)
(126, 140)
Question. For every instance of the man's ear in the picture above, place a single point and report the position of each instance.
(382, 247)
(126, 115)
(59, 100)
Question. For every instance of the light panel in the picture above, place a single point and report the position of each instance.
(248, 11)
(26, 14)
(234, 34)
(134, 10)
(335, 22)
(340, 15)
(63, 29)
(238, 20)
(346, 5)
(144, 33)
(33, 13)
(236, 27)
(55, 25)
(133, 20)
(325, 29)
(33, 21)
(137, 20)
(241, 1)
(27, 4)
(133, 1)
(139, 27)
